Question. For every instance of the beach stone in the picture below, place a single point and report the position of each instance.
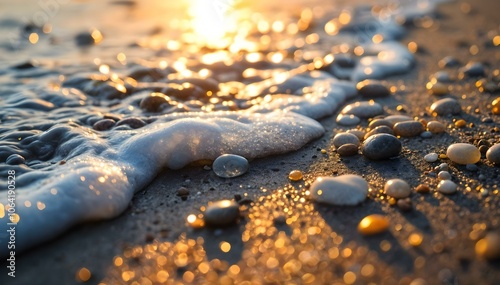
(15, 159)
(104, 125)
(379, 122)
(364, 109)
(359, 133)
(373, 224)
(345, 138)
(348, 149)
(408, 129)
(134, 123)
(489, 246)
(436, 127)
(394, 119)
(446, 106)
(295, 175)
(345, 190)
(495, 106)
(438, 88)
(347, 120)
(230, 165)
(379, 130)
(426, 135)
(473, 69)
(448, 61)
(381, 146)
(442, 76)
(423, 188)
(444, 175)
(222, 213)
(431, 157)
(463, 153)
(493, 154)
(370, 88)
(447, 187)
(154, 102)
(471, 167)
(397, 188)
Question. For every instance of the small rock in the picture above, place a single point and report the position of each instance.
(460, 123)
(444, 175)
(394, 119)
(230, 165)
(436, 127)
(473, 69)
(408, 129)
(344, 138)
(348, 149)
(134, 123)
(495, 106)
(426, 135)
(89, 38)
(295, 175)
(404, 204)
(446, 106)
(379, 122)
(493, 154)
(155, 102)
(345, 190)
(448, 61)
(438, 88)
(397, 188)
(379, 130)
(347, 120)
(365, 109)
(431, 157)
(447, 187)
(489, 246)
(222, 213)
(471, 167)
(104, 125)
(381, 146)
(183, 191)
(373, 224)
(370, 88)
(442, 76)
(360, 134)
(15, 159)
(422, 188)
(463, 153)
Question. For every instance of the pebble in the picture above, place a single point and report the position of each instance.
(463, 153)
(370, 88)
(379, 130)
(394, 119)
(460, 123)
(447, 187)
(155, 102)
(473, 69)
(345, 190)
(348, 150)
(397, 188)
(489, 246)
(381, 146)
(379, 122)
(230, 165)
(495, 106)
(446, 106)
(426, 135)
(448, 61)
(443, 167)
(422, 188)
(345, 138)
(404, 204)
(222, 213)
(134, 123)
(359, 133)
(103, 125)
(365, 109)
(347, 120)
(493, 154)
(89, 38)
(444, 175)
(15, 159)
(295, 175)
(373, 224)
(408, 129)
(436, 127)
(438, 88)
(442, 76)
(431, 157)
(471, 167)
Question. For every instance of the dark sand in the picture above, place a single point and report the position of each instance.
(446, 255)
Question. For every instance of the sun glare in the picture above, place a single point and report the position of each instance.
(212, 21)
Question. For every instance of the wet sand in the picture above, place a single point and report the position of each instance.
(446, 255)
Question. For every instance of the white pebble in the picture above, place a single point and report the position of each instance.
(447, 187)
(444, 175)
(397, 188)
(463, 153)
(431, 157)
(345, 190)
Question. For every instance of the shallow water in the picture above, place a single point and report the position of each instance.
(244, 79)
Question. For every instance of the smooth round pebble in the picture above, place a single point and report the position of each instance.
(154, 102)
(379, 122)
(473, 69)
(345, 190)
(448, 61)
(345, 138)
(438, 88)
(104, 125)
(426, 135)
(446, 106)
(373, 224)
(295, 175)
(15, 159)
(230, 165)
(397, 188)
(431, 157)
(463, 153)
(359, 133)
(347, 150)
(444, 175)
(408, 129)
(394, 119)
(436, 127)
(489, 246)
(381, 146)
(442, 76)
(471, 167)
(370, 88)
(493, 154)
(222, 213)
(422, 188)
(379, 130)
(447, 187)
(347, 120)
(365, 109)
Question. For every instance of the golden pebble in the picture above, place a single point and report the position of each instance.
(373, 224)
(489, 246)
(443, 156)
(437, 88)
(295, 175)
(392, 201)
(460, 123)
(495, 106)
(415, 239)
(83, 275)
(422, 188)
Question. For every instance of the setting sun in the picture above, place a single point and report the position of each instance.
(212, 20)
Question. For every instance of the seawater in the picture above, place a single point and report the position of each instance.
(255, 92)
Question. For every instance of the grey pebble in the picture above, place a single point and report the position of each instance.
(379, 130)
(408, 128)
(230, 165)
(426, 135)
(345, 138)
(347, 150)
(493, 154)
(347, 120)
(365, 109)
(370, 88)
(446, 106)
(222, 213)
(381, 146)
(15, 159)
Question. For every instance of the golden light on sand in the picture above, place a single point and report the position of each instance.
(212, 21)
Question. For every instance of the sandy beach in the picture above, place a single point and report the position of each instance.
(284, 238)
